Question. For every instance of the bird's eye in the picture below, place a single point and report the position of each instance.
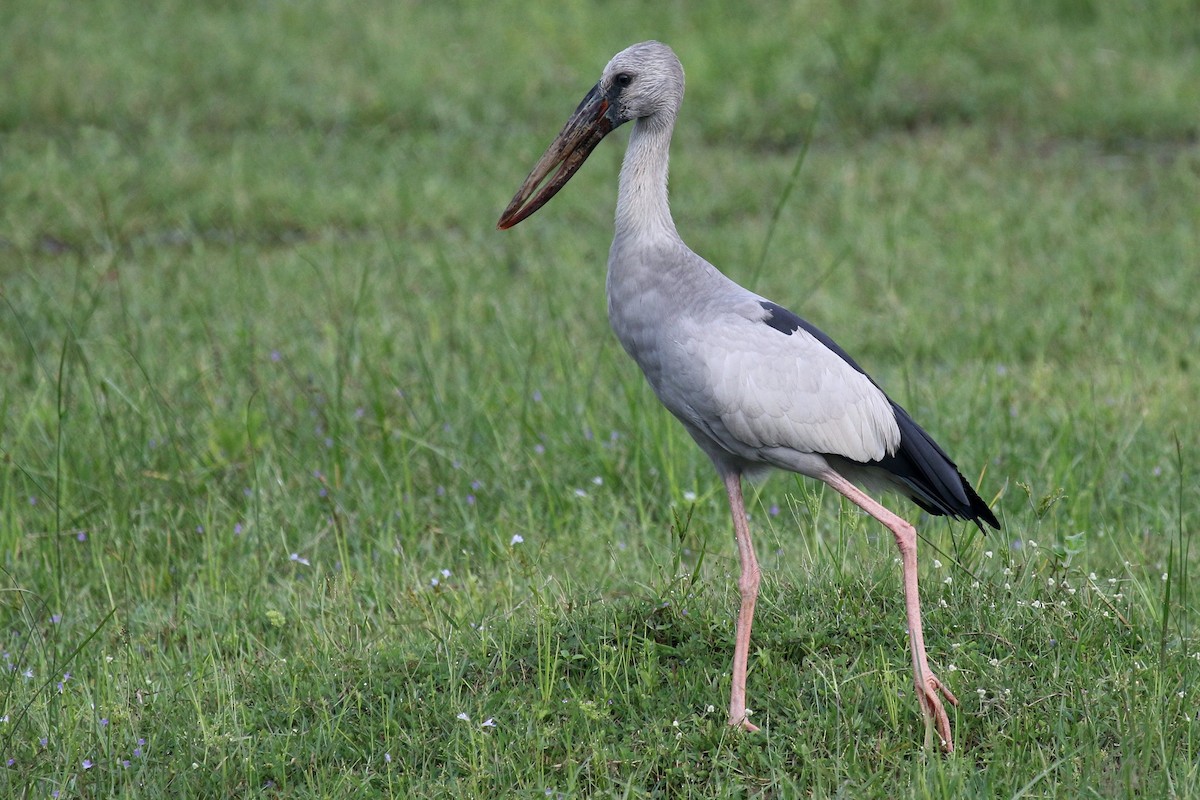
(623, 79)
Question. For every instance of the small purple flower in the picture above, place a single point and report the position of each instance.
(104, 722)
(387, 757)
(81, 536)
(360, 412)
(125, 763)
(275, 355)
(56, 618)
(44, 741)
(33, 501)
(87, 763)
(470, 499)
(323, 492)
(476, 484)
(539, 449)
(773, 510)
(537, 396)
(199, 529)
(237, 529)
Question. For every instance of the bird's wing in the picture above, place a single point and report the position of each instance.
(759, 377)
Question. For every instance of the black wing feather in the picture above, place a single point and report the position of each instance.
(919, 463)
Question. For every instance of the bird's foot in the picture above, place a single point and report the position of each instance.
(743, 721)
(931, 704)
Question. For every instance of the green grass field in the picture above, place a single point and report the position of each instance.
(312, 484)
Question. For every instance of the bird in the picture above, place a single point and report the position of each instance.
(756, 386)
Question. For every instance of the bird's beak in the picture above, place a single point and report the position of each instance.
(589, 124)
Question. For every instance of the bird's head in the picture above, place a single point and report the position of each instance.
(644, 81)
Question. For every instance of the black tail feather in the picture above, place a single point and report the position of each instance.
(933, 480)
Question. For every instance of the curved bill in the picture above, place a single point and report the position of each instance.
(584, 130)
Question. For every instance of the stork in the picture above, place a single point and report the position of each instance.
(755, 385)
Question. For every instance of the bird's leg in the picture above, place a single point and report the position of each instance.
(748, 586)
(927, 684)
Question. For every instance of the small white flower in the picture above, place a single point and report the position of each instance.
(1091, 576)
(988, 553)
(463, 716)
(1164, 576)
(689, 496)
(490, 722)
(434, 581)
(580, 493)
(937, 564)
(299, 559)
(516, 539)
(948, 580)
(1033, 544)
(445, 573)
(951, 668)
(995, 662)
(709, 709)
(598, 480)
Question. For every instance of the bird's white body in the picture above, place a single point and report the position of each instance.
(753, 384)
(752, 395)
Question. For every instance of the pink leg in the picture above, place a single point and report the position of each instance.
(928, 685)
(748, 586)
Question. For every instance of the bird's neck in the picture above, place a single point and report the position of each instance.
(642, 208)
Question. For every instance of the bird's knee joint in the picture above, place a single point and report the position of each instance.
(906, 535)
(750, 579)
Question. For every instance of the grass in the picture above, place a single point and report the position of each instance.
(315, 485)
